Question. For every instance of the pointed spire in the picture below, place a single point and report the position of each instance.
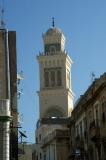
(53, 22)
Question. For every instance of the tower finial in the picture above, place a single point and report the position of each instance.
(53, 22)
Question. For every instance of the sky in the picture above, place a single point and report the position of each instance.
(83, 23)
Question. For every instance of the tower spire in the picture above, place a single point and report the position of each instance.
(2, 24)
(53, 22)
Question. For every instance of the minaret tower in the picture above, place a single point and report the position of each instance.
(55, 94)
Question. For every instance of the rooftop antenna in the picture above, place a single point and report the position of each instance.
(2, 24)
(53, 22)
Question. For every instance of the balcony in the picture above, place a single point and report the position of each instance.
(50, 53)
(4, 109)
(55, 135)
(94, 131)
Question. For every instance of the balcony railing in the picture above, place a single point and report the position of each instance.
(4, 108)
(52, 53)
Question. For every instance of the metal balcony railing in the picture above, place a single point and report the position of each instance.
(4, 108)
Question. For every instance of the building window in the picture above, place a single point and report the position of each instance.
(85, 124)
(97, 118)
(103, 111)
(36, 157)
(40, 137)
(36, 140)
(90, 117)
(40, 156)
(77, 132)
(104, 151)
(52, 78)
(52, 49)
(45, 156)
(59, 80)
(46, 77)
(85, 127)
(96, 111)
(80, 125)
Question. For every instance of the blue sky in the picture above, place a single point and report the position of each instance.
(84, 25)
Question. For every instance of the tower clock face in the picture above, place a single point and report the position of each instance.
(52, 47)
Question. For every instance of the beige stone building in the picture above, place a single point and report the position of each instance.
(55, 95)
(88, 123)
(53, 140)
(56, 145)
(26, 151)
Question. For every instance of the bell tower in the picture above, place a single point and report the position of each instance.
(55, 94)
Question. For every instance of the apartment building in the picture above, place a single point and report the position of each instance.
(88, 123)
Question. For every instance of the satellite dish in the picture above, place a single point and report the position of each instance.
(22, 134)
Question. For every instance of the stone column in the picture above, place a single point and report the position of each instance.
(6, 140)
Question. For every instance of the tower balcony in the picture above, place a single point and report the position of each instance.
(4, 109)
(94, 131)
(56, 134)
(52, 53)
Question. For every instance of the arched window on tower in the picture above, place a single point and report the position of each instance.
(46, 78)
(52, 49)
(59, 80)
(52, 78)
